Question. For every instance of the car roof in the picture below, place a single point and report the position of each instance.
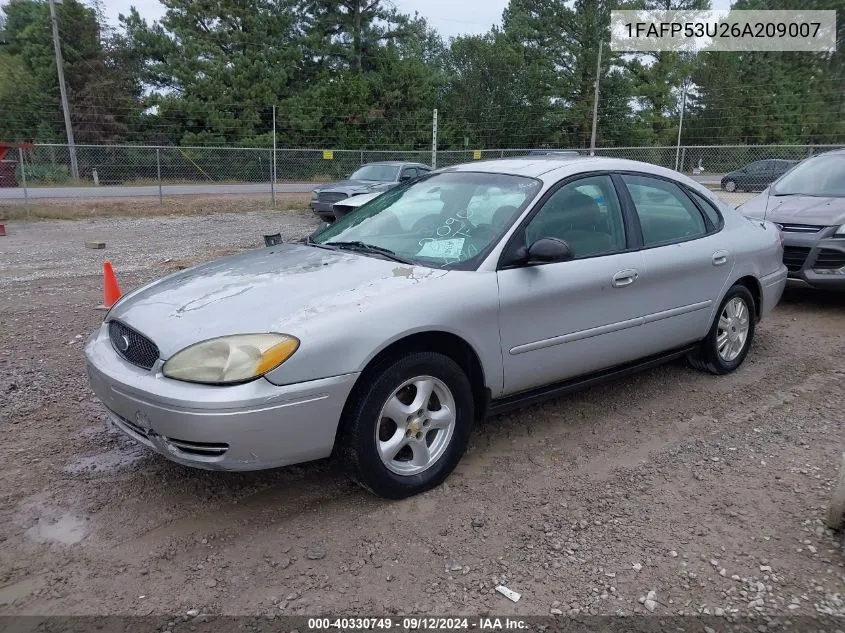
(396, 163)
(550, 169)
(531, 166)
(537, 166)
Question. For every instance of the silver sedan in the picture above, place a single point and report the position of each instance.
(467, 292)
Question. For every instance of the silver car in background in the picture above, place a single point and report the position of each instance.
(467, 292)
(808, 205)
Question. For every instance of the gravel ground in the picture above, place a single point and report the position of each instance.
(671, 492)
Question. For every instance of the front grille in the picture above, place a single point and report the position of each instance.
(829, 259)
(330, 196)
(794, 257)
(132, 346)
(800, 228)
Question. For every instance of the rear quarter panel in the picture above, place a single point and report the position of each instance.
(757, 253)
(755, 245)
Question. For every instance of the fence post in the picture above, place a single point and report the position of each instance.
(434, 139)
(273, 170)
(158, 175)
(361, 161)
(23, 180)
(683, 158)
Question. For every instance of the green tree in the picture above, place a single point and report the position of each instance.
(100, 94)
(216, 66)
(562, 43)
(772, 97)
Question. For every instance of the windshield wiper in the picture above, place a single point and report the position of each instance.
(363, 247)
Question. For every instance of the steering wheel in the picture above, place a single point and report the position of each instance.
(427, 224)
(482, 235)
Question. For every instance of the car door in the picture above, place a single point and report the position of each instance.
(685, 262)
(565, 319)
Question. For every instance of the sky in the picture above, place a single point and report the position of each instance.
(449, 17)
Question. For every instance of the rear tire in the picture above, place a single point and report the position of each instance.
(729, 339)
(408, 425)
(730, 186)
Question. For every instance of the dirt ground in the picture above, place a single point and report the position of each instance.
(709, 492)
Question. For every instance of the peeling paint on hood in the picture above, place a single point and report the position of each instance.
(277, 289)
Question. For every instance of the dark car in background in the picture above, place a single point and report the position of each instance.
(756, 176)
(808, 205)
(369, 178)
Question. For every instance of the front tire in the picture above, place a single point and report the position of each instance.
(409, 424)
(729, 339)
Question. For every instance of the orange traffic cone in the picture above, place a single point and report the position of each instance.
(111, 291)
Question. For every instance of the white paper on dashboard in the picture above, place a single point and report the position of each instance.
(449, 249)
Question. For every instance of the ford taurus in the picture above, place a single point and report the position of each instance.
(463, 293)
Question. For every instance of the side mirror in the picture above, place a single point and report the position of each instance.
(546, 250)
(404, 177)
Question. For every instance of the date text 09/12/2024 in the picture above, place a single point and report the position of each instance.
(418, 624)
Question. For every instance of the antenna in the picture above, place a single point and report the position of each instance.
(768, 198)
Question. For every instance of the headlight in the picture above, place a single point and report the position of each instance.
(315, 194)
(231, 359)
(840, 232)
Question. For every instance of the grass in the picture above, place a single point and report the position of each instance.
(71, 209)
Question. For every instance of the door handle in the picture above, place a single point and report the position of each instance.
(720, 258)
(624, 278)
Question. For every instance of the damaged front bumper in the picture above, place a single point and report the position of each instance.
(252, 426)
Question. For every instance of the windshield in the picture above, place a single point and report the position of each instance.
(380, 173)
(446, 220)
(820, 176)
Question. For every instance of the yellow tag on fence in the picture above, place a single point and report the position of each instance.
(476, 154)
(328, 154)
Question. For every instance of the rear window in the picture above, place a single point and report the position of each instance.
(709, 210)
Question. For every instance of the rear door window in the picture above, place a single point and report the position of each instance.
(665, 212)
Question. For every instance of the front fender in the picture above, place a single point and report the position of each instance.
(345, 334)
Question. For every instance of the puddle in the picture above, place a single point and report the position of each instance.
(67, 530)
(115, 459)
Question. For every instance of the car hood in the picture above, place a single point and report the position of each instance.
(796, 209)
(277, 289)
(356, 185)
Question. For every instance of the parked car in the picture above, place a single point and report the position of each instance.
(370, 178)
(466, 292)
(756, 176)
(808, 204)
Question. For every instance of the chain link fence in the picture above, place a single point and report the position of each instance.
(735, 172)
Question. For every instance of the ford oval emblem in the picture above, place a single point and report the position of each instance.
(123, 343)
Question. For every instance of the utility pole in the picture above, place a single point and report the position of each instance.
(596, 104)
(71, 145)
(434, 140)
(681, 123)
